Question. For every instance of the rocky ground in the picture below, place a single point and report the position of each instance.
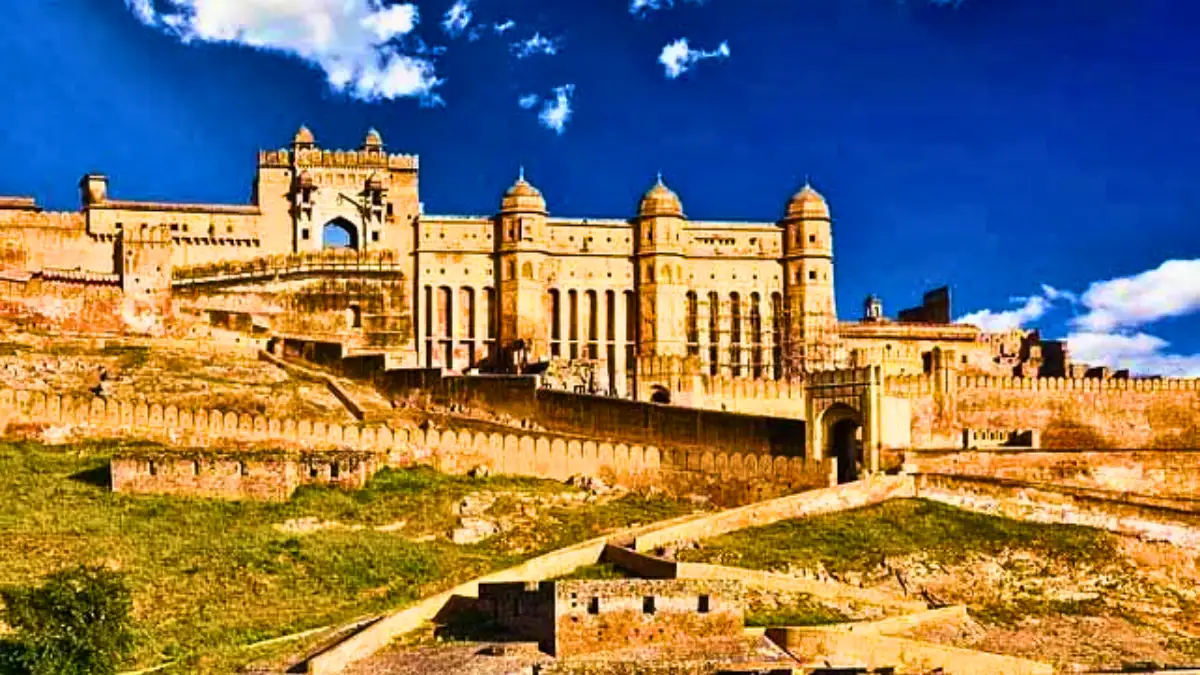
(181, 373)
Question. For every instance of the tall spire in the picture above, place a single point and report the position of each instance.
(660, 180)
(521, 172)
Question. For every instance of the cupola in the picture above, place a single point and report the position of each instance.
(660, 200)
(807, 204)
(523, 197)
(373, 141)
(304, 137)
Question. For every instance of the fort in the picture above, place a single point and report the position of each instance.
(336, 261)
(698, 359)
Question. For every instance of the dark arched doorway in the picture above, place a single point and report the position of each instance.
(660, 394)
(339, 233)
(846, 445)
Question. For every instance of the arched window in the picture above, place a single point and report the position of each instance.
(339, 233)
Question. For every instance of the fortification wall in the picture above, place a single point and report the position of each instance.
(548, 455)
(1066, 412)
(1045, 504)
(1152, 473)
(613, 419)
(33, 240)
(79, 302)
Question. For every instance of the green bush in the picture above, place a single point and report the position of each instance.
(77, 623)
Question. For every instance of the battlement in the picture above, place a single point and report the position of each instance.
(126, 205)
(829, 378)
(319, 261)
(80, 276)
(317, 158)
(1076, 384)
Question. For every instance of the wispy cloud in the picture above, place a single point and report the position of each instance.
(641, 8)
(1031, 309)
(364, 48)
(538, 44)
(504, 26)
(1112, 314)
(677, 57)
(457, 18)
(528, 101)
(555, 114)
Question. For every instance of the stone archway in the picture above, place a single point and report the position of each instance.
(842, 430)
(660, 394)
(340, 233)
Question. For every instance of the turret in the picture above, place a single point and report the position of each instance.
(811, 324)
(524, 324)
(93, 189)
(659, 279)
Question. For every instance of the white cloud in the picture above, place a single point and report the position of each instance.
(457, 18)
(538, 44)
(359, 44)
(997, 322)
(528, 101)
(505, 26)
(1172, 289)
(1141, 353)
(642, 7)
(677, 57)
(1109, 332)
(555, 114)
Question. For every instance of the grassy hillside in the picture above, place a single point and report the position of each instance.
(208, 574)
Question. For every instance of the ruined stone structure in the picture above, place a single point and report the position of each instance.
(576, 618)
(273, 475)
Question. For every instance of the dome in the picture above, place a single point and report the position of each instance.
(660, 201)
(808, 204)
(304, 137)
(523, 196)
(373, 139)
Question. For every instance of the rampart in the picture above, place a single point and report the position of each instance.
(610, 418)
(1065, 412)
(1156, 474)
(743, 475)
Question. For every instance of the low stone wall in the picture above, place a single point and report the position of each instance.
(824, 590)
(872, 490)
(838, 647)
(1044, 504)
(241, 475)
(1156, 473)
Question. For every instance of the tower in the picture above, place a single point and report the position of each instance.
(524, 321)
(658, 275)
(810, 326)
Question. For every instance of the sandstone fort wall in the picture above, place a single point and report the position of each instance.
(540, 454)
(1170, 474)
(616, 419)
(1116, 412)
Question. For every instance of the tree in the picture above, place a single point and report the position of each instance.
(77, 623)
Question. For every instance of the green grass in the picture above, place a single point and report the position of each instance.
(860, 540)
(209, 575)
(598, 571)
(803, 611)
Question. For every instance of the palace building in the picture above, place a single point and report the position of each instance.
(520, 288)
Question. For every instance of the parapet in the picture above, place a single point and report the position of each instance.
(19, 204)
(376, 159)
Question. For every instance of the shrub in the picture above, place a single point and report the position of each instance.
(77, 623)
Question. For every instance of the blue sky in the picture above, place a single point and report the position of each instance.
(1040, 156)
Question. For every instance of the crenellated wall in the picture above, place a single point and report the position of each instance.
(741, 475)
(1127, 413)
